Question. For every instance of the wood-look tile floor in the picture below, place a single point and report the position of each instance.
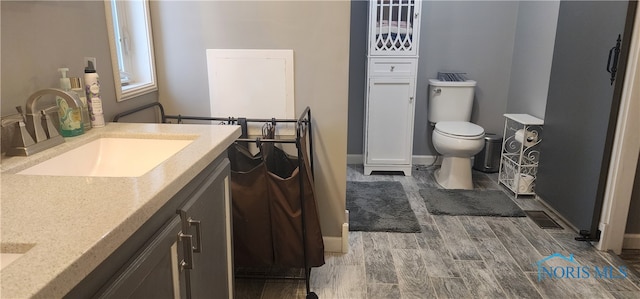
(454, 257)
(631, 257)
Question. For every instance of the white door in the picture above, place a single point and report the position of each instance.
(390, 121)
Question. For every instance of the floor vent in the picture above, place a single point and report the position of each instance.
(543, 220)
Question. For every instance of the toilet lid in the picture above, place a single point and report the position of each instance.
(460, 129)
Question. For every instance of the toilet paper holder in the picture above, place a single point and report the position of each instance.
(520, 153)
(528, 138)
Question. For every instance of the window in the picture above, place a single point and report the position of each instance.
(129, 29)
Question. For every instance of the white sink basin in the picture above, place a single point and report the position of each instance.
(110, 157)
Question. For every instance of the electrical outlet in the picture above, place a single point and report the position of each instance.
(92, 59)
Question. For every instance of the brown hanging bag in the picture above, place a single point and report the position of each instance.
(252, 240)
(286, 212)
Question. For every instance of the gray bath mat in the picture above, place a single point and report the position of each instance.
(380, 207)
(470, 203)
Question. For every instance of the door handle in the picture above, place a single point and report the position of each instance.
(612, 66)
(187, 247)
(609, 59)
(198, 247)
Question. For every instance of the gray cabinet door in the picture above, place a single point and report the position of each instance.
(209, 208)
(153, 273)
(154, 261)
(581, 108)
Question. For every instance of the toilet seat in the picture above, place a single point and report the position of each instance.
(459, 129)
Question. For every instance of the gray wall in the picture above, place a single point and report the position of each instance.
(532, 56)
(476, 37)
(506, 46)
(633, 221)
(318, 33)
(357, 75)
(38, 37)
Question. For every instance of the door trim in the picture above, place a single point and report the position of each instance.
(624, 154)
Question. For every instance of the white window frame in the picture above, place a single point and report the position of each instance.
(131, 45)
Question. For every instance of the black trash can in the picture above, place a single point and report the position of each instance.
(488, 160)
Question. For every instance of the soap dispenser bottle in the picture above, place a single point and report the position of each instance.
(70, 118)
(76, 86)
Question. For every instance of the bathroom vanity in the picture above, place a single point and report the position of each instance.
(164, 233)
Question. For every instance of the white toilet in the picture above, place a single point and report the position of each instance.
(454, 137)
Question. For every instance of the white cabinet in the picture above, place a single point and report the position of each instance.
(520, 153)
(391, 85)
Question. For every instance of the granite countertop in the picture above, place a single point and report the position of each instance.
(68, 225)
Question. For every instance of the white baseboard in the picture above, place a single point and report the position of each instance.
(600, 245)
(417, 159)
(424, 160)
(345, 238)
(338, 244)
(631, 241)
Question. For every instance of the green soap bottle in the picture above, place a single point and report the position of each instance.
(70, 118)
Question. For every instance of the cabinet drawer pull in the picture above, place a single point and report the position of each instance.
(392, 68)
(196, 223)
(187, 247)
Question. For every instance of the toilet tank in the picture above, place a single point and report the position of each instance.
(450, 101)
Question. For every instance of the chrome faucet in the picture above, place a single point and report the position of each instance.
(37, 132)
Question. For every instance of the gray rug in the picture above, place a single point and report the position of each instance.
(380, 207)
(470, 202)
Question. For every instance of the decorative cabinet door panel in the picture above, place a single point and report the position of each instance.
(390, 121)
(393, 27)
